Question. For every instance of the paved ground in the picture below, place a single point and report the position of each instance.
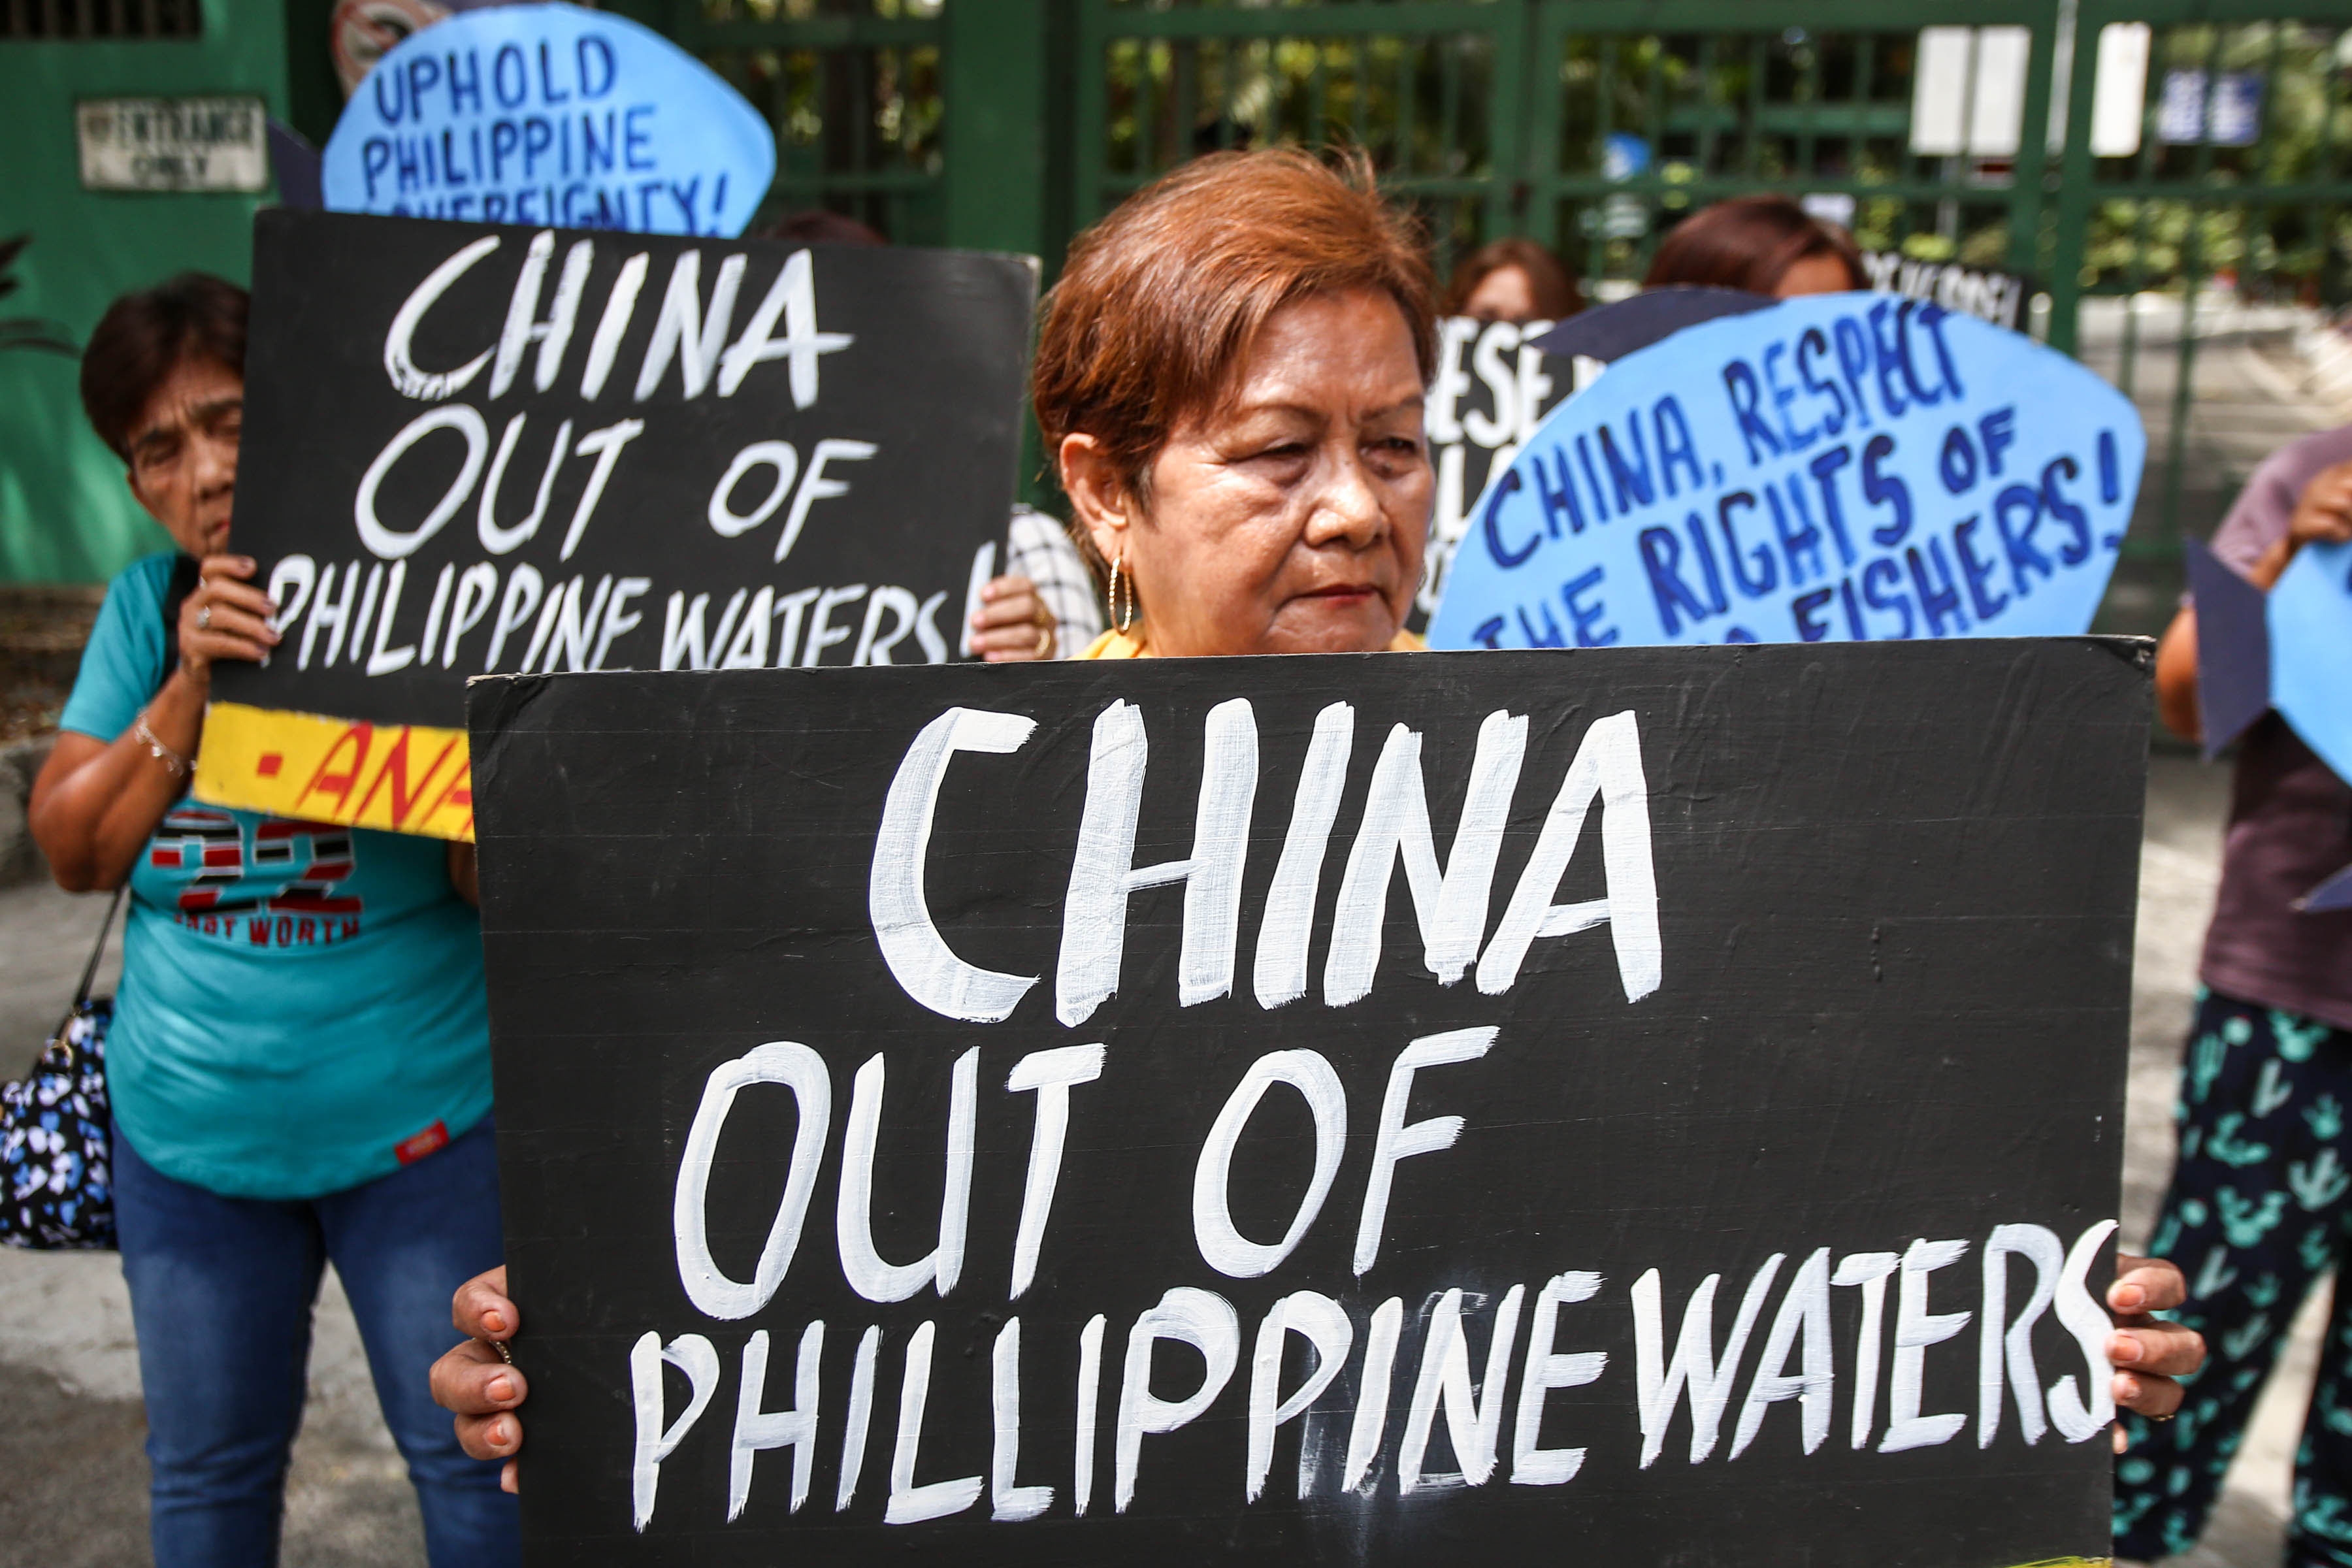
(75, 1488)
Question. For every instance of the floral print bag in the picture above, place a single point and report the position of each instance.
(55, 1152)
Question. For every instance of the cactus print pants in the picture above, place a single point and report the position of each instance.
(2259, 1208)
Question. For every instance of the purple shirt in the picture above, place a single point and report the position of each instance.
(2290, 816)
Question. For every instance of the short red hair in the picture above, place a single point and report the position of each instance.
(1159, 302)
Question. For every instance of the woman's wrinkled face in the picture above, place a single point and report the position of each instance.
(1292, 519)
(183, 453)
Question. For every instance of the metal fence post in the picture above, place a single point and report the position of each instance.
(2070, 236)
(2027, 185)
(1006, 89)
(1006, 131)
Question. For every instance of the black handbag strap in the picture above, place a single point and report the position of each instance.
(98, 951)
(89, 973)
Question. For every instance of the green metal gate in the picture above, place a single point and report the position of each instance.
(1436, 93)
(1494, 117)
(1012, 123)
(854, 94)
(1769, 95)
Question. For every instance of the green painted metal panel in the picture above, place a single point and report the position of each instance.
(856, 94)
(821, 31)
(66, 515)
(314, 94)
(998, 128)
(1406, 18)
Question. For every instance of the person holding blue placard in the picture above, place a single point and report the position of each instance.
(2262, 1197)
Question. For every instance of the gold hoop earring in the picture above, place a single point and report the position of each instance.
(1118, 620)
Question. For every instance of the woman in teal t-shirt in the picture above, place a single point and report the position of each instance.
(300, 1056)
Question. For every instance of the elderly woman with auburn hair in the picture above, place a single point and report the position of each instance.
(1230, 374)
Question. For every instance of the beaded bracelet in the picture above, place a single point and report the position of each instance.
(160, 751)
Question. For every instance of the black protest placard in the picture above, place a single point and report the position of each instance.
(472, 449)
(1984, 293)
(1493, 387)
(1374, 1108)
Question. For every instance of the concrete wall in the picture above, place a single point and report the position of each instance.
(64, 513)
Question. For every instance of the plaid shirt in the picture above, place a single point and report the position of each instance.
(1039, 547)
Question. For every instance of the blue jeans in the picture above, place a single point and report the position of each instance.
(221, 1293)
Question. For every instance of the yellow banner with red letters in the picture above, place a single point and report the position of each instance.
(401, 778)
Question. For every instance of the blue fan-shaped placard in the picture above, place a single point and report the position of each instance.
(1845, 466)
(2311, 651)
(553, 115)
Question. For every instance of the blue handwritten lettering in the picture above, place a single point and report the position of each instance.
(1890, 595)
(1813, 341)
(1824, 469)
(592, 45)
(2077, 550)
(1747, 397)
(1955, 465)
(1505, 556)
(1890, 357)
(1919, 395)
(1675, 448)
(1939, 596)
(1998, 430)
(1631, 479)
(2017, 536)
(1853, 361)
(1662, 555)
(1800, 543)
(1549, 636)
(508, 55)
(464, 88)
(423, 75)
(1557, 493)
(1932, 317)
(1806, 609)
(1590, 633)
(1882, 488)
(547, 93)
(1767, 572)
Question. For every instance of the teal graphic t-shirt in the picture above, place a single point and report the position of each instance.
(301, 1007)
